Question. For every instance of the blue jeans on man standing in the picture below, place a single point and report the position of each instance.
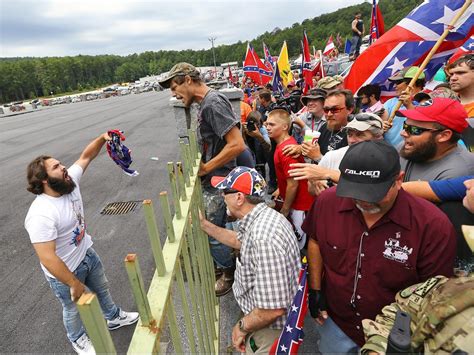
(355, 45)
(334, 340)
(91, 273)
(216, 208)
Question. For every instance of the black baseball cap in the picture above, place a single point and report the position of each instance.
(368, 170)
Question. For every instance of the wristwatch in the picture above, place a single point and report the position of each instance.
(242, 325)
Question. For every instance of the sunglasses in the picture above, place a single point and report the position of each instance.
(361, 117)
(333, 110)
(416, 131)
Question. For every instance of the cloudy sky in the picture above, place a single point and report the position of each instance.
(71, 27)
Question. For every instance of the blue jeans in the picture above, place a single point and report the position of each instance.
(355, 45)
(91, 273)
(334, 340)
(216, 208)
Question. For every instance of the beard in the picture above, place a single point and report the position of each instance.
(423, 153)
(373, 210)
(61, 186)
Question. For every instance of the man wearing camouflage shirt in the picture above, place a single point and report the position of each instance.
(441, 311)
(442, 317)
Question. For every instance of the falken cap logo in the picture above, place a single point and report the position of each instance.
(374, 174)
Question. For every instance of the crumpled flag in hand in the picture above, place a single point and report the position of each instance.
(119, 153)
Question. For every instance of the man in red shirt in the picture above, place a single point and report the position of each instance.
(297, 199)
(369, 239)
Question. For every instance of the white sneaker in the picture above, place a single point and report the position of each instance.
(83, 345)
(123, 319)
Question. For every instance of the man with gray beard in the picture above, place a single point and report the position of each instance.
(374, 240)
(431, 134)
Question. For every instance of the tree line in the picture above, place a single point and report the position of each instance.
(27, 78)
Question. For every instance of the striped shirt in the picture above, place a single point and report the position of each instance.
(266, 274)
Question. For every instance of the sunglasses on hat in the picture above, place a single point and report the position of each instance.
(361, 117)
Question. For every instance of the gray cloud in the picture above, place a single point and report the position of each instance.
(62, 27)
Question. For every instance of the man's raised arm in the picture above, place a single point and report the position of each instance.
(92, 150)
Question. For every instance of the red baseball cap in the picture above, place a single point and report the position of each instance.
(447, 112)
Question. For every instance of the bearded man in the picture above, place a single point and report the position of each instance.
(57, 229)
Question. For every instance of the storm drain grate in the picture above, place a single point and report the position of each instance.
(116, 208)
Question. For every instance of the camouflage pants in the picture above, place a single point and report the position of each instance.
(215, 208)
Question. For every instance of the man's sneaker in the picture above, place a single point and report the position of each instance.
(123, 319)
(83, 345)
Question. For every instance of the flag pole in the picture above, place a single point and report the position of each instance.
(423, 65)
(323, 73)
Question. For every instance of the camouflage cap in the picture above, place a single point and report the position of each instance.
(406, 73)
(328, 83)
(179, 69)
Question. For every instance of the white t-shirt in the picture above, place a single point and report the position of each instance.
(61, 219)
(333, 158)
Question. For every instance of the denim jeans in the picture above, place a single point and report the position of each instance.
(355, 45)
(91, 273)
(334, 340)
(216, 208)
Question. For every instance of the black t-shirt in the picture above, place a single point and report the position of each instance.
(359, 26)
(331, 140)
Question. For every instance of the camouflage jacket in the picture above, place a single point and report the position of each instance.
(442, 317)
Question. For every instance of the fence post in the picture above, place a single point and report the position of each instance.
(94, 322)
(165, 207)
(186, 312)
(195, 301)
(136, 281)
(181, 181)
(154, 237)
(174, 191)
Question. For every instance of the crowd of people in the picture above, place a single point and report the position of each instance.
(343, 192)
(374, 203)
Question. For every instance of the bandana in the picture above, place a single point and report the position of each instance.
(119, 153)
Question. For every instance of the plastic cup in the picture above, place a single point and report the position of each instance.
(311, 136)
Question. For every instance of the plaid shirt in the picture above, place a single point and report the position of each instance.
(266, 274)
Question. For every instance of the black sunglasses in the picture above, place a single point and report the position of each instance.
(361, 117)
(416, 131)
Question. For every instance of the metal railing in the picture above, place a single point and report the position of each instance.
(184, 239)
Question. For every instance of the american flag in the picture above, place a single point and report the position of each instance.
(292, 334)
(409, 42)
(119, 153)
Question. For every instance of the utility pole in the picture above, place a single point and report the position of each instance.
(212, 39)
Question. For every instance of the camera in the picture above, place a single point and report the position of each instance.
(251, 126)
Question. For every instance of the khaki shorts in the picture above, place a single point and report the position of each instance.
(262, 339)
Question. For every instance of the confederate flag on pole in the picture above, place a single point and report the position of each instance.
(377, 26)
(466, 48)
(292, 333)
(409, 42)
(251, 66)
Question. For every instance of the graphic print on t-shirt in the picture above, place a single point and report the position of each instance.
(79, 231)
